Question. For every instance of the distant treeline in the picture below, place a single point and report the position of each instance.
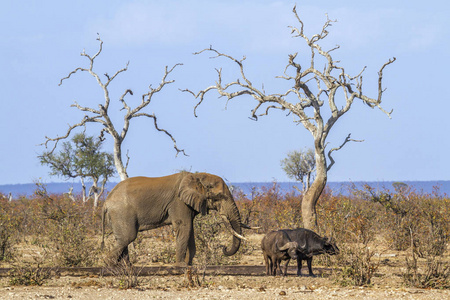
(441, 187)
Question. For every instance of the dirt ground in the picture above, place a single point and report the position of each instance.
(386, 284)
(217, 287)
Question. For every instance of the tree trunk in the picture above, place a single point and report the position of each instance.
(95, 191)
(311, 196)
(83, 190)
(118, 160)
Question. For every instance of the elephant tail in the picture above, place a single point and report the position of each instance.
(104, 212)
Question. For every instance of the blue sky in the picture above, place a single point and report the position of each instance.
(42, 42)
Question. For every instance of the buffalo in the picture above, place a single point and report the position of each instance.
(309, 244)
(277, 246)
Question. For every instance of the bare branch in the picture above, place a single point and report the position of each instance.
(125, 105)
(70, 74)
(162, 130)
(57, 139)
(117, 73)
(347, 139)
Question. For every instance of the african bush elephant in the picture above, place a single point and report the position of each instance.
(143, 203)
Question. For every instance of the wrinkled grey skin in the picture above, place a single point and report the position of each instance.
(310, 244)
(277, 247)
(143, 203)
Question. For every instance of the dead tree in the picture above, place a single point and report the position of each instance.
(311, 89)
(101, 116)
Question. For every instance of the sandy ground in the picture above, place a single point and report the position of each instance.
(212, 287)
(268, 289)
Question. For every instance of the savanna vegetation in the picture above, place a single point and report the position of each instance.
(397, 232)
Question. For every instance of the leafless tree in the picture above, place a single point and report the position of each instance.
(101, 116)
(312, 88)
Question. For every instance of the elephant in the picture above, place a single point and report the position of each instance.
(144, 203)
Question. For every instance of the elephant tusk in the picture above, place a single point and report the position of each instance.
(249, 227)
(232, 230)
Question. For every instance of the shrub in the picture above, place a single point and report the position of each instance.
(210, 235)
(8, 232)
(125, 276)
(27, 274)
(163, 247)
(69, 242)
(358, 267)
(65, 228)
(285, 209)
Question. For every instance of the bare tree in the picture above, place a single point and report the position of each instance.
(101, 116)
(300, 166)
(312, 88)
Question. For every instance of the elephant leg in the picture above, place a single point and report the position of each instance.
(124, 235)
(183, 232)
(191, 248)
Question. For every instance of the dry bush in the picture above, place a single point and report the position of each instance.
(210, 236)
(285, 208)
(69, 241)
(162, 246)
(9, 231)
(31, 272)
(435, 274)
(125, 276)
(426, 216)
(28, 274)
(67, 229)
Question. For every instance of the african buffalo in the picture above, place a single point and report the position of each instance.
(309, 244)
(277, 246)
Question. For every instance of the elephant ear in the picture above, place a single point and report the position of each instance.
(193, 193)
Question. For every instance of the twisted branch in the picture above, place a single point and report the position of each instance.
(347, 139)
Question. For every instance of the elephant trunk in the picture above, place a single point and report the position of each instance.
(231, 212)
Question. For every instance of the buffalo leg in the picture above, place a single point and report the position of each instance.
(309, 262)
(299, 266)
(286, 267)
(268, 263)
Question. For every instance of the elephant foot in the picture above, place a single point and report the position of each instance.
(181, 264)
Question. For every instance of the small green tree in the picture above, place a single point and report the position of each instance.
(300, 166)
(83, 158)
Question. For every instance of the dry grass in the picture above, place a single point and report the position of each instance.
(385, 237)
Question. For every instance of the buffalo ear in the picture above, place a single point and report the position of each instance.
(193, 193)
